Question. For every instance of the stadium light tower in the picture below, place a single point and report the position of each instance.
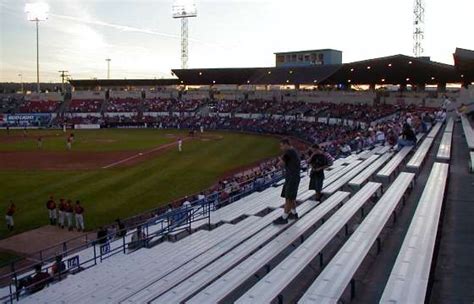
(418, 27)
(184, 9)
(108, 67)
(37, 12)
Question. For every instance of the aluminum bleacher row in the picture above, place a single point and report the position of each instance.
(247, 259)
(468, 132)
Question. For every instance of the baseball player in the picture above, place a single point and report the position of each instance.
(9, 216)
(61, 209)
(40, 142)
(69, 143)
(180, 144)
(79, 212)
(51, 206)
(68, 210)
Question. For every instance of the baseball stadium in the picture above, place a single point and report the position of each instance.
(310, 180)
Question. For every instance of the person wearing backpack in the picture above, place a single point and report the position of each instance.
(318, 161)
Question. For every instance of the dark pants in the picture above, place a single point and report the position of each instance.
(316, 182)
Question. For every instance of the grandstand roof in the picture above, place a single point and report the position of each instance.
(92, 83)
(397, 69)
(306, 51)
(464, 62)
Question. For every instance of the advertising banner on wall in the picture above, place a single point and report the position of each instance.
(35, 119)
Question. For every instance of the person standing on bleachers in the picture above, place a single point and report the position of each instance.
(292, 163)
(319, 162)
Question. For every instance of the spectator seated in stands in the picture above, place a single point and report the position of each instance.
(102, 235)
(85, 105)
(34, 283)
(138, 239)
(407, 138)
(59, 267)
(39, 106)
(121, 230)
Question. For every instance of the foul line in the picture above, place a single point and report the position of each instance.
(141, 154)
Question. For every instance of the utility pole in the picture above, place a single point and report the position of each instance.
(21, 82)
(63, 77)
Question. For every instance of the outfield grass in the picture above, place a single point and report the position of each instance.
(122, 192)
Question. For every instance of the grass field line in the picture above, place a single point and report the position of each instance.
(161, 147)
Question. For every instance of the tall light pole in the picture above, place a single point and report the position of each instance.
(21, 82)
(37, 12)
(184, 9)
(108, 67)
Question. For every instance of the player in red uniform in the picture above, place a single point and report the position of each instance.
(61, 210)
(68, 210)
(9, 216)
(51, 206)
(79, 211)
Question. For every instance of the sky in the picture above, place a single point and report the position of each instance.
(143, 40)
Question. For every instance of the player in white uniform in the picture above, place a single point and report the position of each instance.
(180, 144)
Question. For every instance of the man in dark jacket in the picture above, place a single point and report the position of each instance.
(319, 162)
(292, 163)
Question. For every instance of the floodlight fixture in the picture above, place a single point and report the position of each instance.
(37, 11)
(184, 9)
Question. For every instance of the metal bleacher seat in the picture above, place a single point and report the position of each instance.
(309, 215)
(468, 132)
(389, 169)
(408, 280)
(383, 150)
(449, 125)
(419, 156)
(339, 183)
(271, 285)
(331, 283)
(141, 259)
(364, 176)
(434, 131)
(471, 162)
(331, 177)
(444, 151)
(147, 264)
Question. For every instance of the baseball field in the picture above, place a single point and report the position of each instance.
(115, 173)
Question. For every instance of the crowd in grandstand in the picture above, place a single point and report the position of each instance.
(85, 105)
(39, 106)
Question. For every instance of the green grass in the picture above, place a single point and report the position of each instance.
(122, 192)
